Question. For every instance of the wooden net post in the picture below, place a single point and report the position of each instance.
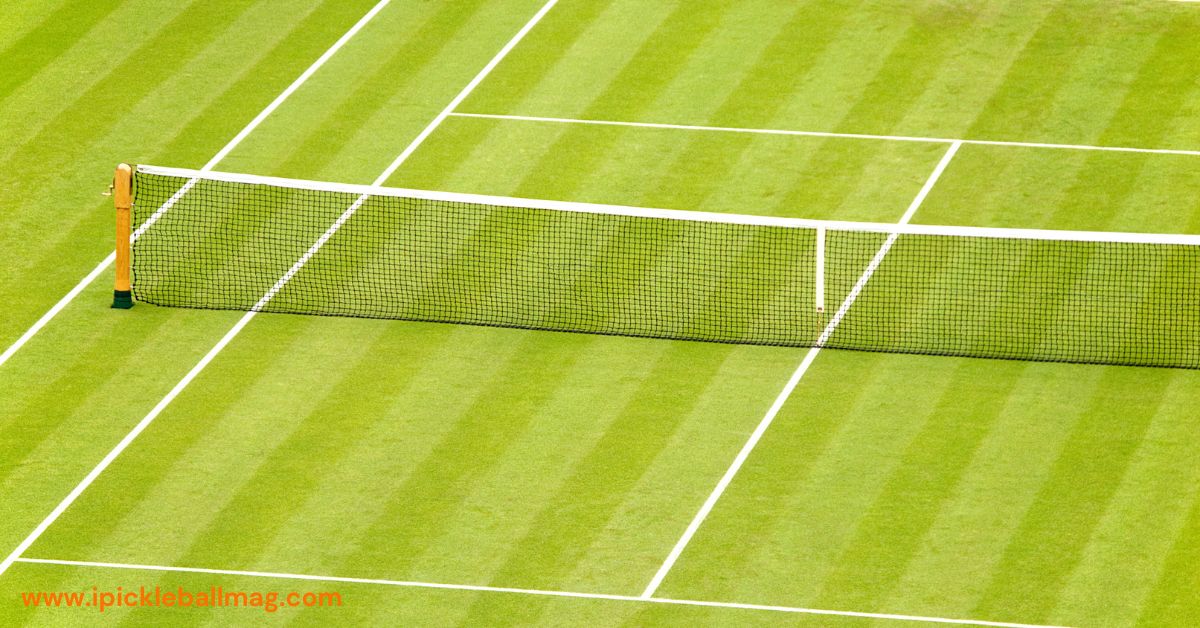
(122, 188)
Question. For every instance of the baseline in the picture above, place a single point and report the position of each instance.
(537, 592)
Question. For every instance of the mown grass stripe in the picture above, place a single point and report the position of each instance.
(1032, 79)
(205, 133)
(143, 128)
(41, 45)
(63, 442)
(81, 65)
(502, 507)
(823, 96)
(1155, 97)
(411, 426)
(372, 92)
(358, 396)
(1083, 197)
(1112, 581)
(772, 481)
(657, 59)
(975, 65)
(735, 46)
(24, 16)
(36, 413)
(1176, 593)
(125, 508)
(1041, 553)
(848, 473)
(540, 53)
(462, 145)
(692, 187)
(177, 454)
(571, 520)
(619, 29)
(792, 52)
(1002, 479)
(100, 107)
(906, 73)
(310, 439)
(499, 415)
(889, 534)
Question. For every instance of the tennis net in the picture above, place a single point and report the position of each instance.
(241, 242)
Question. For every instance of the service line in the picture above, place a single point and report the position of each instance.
(827, 134)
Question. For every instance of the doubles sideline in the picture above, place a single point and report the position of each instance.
(536, 592)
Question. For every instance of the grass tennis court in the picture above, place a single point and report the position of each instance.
(452, 474)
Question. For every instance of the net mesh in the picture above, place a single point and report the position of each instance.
(225, 245)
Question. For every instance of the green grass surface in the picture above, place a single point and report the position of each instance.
(939, 486)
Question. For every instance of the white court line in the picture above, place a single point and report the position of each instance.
(237, 139)
(403, 156)
(792, 382)
(242, 322)
(58, 307)
(125, 442)
(887, 245)
(853, 136)
(960, 231)
(540, 592)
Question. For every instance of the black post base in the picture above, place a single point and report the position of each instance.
(122, 299)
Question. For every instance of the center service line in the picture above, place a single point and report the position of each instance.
(792, 382)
